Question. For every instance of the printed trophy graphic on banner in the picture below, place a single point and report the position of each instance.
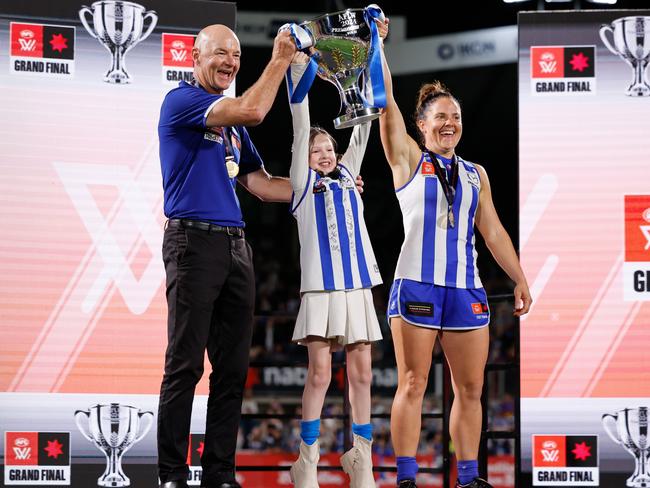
(114, 429)
(631, 41)
(629, 428)
(345, 50)
(118, 26)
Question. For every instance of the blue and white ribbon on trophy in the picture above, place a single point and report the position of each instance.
(300, 78)
(374, 90)
(299, 81)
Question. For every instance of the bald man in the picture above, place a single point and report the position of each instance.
(205, 151)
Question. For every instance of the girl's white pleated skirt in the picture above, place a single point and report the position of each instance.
(345, 316)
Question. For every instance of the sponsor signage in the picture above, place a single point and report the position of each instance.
(42, 50)
(177, 61)
(37, 458)
(636, 268)
(565, 460)
(563, 70)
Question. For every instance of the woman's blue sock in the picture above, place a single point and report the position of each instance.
(407, 468)
(363, 430)
(309, 431)
(467, 471)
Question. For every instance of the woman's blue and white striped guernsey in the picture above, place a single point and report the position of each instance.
(433, 251)
(335, 250)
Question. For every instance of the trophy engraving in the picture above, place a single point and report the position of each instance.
(629, 428)
(341, 48)
(118, 26)
(114, 429)
(631, 41)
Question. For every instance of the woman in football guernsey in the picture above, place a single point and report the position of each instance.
(437, 292)
(338, 270)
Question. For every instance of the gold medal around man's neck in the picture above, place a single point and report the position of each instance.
(232, 168)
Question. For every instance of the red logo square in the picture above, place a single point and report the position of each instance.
(547, 61)
(26, 40)
(637, 228)
(21, 448)
(549, 450)
(428, 168)
(177, 50)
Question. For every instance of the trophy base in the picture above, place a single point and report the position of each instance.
(356, 117)
(638, 91)
(117, 77)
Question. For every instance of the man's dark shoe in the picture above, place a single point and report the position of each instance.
(174, 484)
(407, 484)
(475, 483)
(227, 484)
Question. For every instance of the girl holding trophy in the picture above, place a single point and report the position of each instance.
(437, 292)
(338, 271)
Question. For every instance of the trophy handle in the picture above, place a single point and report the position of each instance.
(610, 433)
(154, 20)
(79, 424)
(603, 36)
(82, 16)
(145, 430)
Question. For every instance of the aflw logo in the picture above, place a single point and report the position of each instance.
(26, 40)
(550, 452)
(23, 452)
(178, 54)
(176, 50)
(548, 63)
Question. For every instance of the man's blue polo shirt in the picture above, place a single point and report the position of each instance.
(192, 158)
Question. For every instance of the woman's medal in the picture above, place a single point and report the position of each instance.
(448, 185)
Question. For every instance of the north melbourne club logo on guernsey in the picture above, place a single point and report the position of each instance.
(565, 460)
(37, 458)
(636, 268)
(42, 50)
(177, 61)
(563, 70)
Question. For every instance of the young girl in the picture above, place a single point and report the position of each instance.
(338, 270)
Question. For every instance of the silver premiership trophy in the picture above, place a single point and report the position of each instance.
(113, 428)
(118, 26)
(629, 428)
(631, 41)
(341, 46)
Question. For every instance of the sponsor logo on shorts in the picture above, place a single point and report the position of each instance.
(479, 308)
(423, 309)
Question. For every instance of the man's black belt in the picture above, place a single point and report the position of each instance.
(206, 227)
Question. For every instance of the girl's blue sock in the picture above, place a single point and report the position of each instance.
(363, 430)
(407, 468)
(309, 431)
(467, 471)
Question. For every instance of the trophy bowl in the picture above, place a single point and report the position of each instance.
(114, 429)
(629, 428)
(341, 48)
(631, 42)
(118, 25)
